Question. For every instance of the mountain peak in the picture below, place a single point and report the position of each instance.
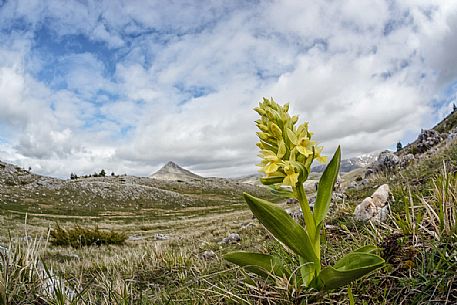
(172, 165)
(348, 165)
(172, 171)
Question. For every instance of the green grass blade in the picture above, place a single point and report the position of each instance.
(325, 189)
(351, 296)
(261, 264)
(283, 227)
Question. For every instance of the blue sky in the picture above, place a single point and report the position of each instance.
(129, 85)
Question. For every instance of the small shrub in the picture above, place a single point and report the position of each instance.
(79, 237)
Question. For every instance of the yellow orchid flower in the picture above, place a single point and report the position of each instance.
(305, 146)
(270, 163)
(291, 176)
(279, 137)
(318, 156)
(302, 130)
(301, 140)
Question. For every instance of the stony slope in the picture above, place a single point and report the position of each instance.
(444, 130)
(428, 143)
(23, 191)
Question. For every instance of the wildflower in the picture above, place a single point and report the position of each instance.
(287, 153)
(305, 146)
(271, 161)
(303, 143)
(318, 156)
(291, 178)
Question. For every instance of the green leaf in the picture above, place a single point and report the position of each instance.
(325, 189)
(307, 271)
(261, 264)
(271, 180)
(368, 249)
(282, 226)
(348, 269)
(281, 192)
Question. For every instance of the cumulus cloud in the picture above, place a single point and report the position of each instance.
(127, 86)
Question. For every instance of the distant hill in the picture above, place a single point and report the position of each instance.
(351, 164)
(172, 171)
(23, 191)
(14, 176)
(253, 179)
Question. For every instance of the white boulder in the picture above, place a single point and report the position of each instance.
(374, 208)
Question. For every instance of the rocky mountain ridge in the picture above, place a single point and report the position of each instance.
(350, 164)
(172, 171)
(428, 142)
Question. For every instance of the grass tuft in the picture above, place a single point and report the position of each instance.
(77, 237)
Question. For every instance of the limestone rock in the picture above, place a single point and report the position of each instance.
(336, 196)
(247, 225)
(232, 238)
(374, 208)
(381, 195)
(160, 236)
(358, 183)
(208, 254)
(352, 185)
(291, 201)
(452, 134)
(406, 160)
(427, 139)
(135, 238)
(310, 186)
(312, 201)
(387, 160)
(372, 169)
(296, 214)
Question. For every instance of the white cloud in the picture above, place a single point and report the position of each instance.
(11, 103)
(184, 82)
